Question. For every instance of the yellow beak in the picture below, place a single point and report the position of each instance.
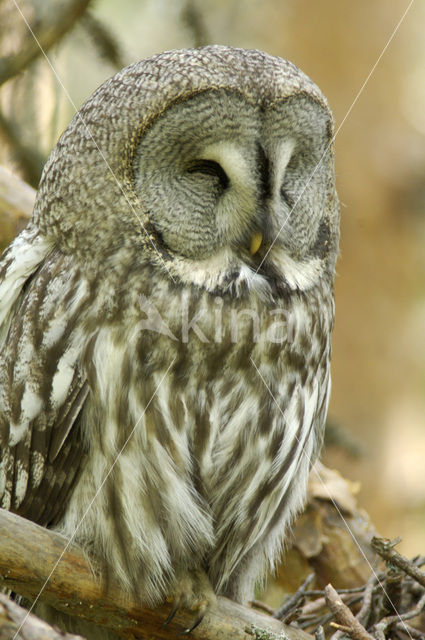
(255, 242)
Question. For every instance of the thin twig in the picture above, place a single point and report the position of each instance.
(293, 600)
(344, 616)
(318, 592)
(319, 633)
(384, 548)
(411, 631)
(262, 606)
(341, 628)
(366, 608)
(381, 627)
(418, 561)
(393, 590)
(314, 621)
(312, 607)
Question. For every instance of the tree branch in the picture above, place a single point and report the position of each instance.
(385, 548)
(16, 204)
(29, 565)
(30, 160)
(14, 619)
(47, 32)
(382, 627)
(16, 196)
(345, 619)
(192, 18)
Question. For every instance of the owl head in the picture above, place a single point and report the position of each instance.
(211, 164)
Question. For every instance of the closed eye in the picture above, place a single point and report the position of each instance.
(286, 197)
(210, 168)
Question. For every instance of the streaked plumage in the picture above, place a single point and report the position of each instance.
(141, 404)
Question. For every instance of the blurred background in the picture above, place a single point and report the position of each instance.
(376, 433)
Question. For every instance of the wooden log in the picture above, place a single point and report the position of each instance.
(34, 560)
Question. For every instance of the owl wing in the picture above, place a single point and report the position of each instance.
(42, 389)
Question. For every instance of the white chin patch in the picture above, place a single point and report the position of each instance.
(225, 271)
(222, 271)
(299, 274)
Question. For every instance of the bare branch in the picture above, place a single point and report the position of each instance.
(16, 196)
(193, 19)
(320, 634)
(62, 18)
(14, 619)
(104, 40)
(385, 548)
(30, 160)
(366, 608)
(381, 627)
(344, 617)
(294, 600)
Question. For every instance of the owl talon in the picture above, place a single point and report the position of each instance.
(193, 626)
(170, 616)
(193, 592)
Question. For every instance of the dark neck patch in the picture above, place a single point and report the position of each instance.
(320, 248)
(263, 164)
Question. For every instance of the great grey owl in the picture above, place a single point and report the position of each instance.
(166, 319)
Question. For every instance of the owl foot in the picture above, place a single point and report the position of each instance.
(192, 591)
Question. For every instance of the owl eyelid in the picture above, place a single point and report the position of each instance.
(209, 168)
(286, 197)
